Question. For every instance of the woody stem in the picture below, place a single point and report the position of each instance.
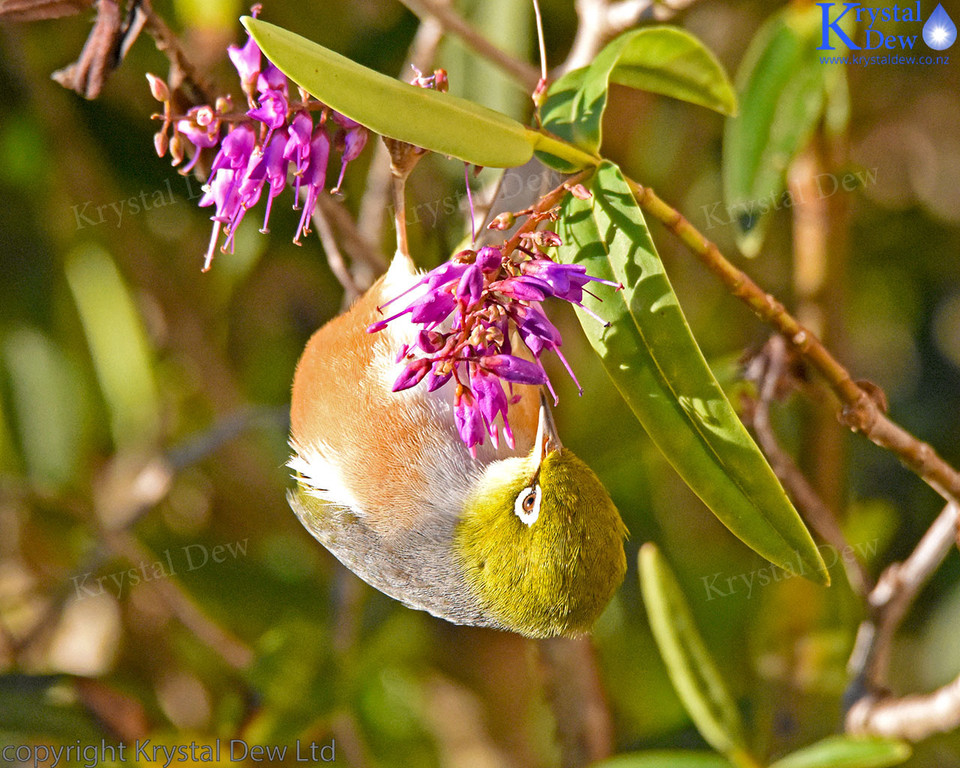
(860, 412)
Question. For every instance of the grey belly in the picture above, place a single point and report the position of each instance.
(415, 568)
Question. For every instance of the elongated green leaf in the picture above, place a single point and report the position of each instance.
(48, 404)
(654, 361)
(436, 121)
(782, 87)
(663, 60)
(664, 759)
(689, 664)
(847, 752)
(118, 346)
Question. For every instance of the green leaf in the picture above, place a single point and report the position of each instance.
(436, 121)
(691, 668)
(847, 752)
(782, 88)
(44, 706)
(118, 346)
(655, 363)
(663, 60)
(664, 759)
(48, 402)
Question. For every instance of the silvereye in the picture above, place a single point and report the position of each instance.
(524, 539)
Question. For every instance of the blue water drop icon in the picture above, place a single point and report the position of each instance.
(939, 32)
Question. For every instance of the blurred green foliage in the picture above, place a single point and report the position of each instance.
(117, 354)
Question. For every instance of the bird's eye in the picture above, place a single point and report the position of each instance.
(527, 505)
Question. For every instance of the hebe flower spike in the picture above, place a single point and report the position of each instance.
(468, 309)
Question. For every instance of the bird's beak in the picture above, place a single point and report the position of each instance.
(547, 439)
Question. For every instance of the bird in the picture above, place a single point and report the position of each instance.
(522, 538)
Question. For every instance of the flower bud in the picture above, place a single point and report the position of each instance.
(176, 149)
(161, 142)
(503, 221)
(158, 88)
(412, 374)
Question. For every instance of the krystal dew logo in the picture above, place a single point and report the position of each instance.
(939, 32)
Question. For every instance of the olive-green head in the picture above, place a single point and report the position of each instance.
(540, 541)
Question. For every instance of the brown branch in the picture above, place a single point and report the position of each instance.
(230, 648)
(768, 370)
(577, 699)
(860, 412)
(183, 74)
(526, 74)
(912, 717)
(875, 711)
(602, 20)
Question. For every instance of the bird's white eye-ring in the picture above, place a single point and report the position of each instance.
(527, 505)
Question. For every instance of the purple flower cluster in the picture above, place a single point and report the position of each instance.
(468, 309)
(258, 148)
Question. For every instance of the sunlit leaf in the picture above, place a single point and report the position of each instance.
(782, 89)
(663, 60)
(654, 361)
(847, 752)
(664, 759)
(436, 121)
(118, 346)
(692, 670)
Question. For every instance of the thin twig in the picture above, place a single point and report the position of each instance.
(767, 370)
(230, 648)
(129, 505)
(377, 191)
(334, 258)
(860, 412)
(366, 260)
(182, 72)
(526, 74)
(875, 711)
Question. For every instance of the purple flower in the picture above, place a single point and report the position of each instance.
(314, 177)
(566, 281)
(273, 166)
(537, 332)
(469, 420)
(470, 286)
(433, 308)
(492, 402)
(412, 374)
(515, 369)
(247, 62)
(353, 143)
(257, 151)
(468, 309)
(523, 288)
(489, 259)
